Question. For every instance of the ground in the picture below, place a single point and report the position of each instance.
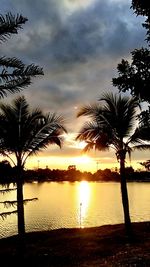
(106, 246)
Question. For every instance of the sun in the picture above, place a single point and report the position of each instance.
(81, 145)
(82, 159)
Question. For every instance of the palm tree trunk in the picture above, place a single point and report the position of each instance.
(21, 221)
(125, 200)
(20, 206)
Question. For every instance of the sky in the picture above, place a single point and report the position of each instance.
(78, 43)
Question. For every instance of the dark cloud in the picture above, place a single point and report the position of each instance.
(53, 37)
(105, 28)
(78, 51)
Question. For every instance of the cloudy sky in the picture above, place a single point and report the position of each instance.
(79, 44)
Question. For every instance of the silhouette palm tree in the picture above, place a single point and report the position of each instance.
(24, 132)
(113, 125)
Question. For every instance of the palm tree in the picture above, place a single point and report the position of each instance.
(113, 125)
(23, 133)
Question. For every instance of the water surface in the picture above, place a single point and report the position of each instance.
(78, 204)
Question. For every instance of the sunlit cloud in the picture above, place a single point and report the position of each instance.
(74, 5)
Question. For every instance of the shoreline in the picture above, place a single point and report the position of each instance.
(85, 247)
(68, 181)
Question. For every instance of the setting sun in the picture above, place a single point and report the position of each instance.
(81, 145)
(83, 159)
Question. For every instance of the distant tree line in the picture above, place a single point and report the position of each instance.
(8, 175)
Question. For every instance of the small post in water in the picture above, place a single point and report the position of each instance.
(80, 214)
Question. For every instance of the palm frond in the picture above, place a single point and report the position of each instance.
(110, 101)
(4, 215)
(9, 24)
(30, 70)
(141, 134)
(97, 136)
(8, 204)
(55, 121)
(19, 70)
(89, 146)
(11, 62)
(141, 147)
(90, 110)
(27, 200)
(8, 190)
(14, 203)
(88, 131)
(14, 86)
(120, 112)
(15, 75)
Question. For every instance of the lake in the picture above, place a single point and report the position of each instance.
(77, 204)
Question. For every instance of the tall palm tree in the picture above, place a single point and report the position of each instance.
(113, 125)
(24, 132)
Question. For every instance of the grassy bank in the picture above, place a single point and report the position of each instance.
(90, 247)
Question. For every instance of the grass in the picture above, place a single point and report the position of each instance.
(89, 247)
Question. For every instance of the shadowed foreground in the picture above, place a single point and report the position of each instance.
(89, 247)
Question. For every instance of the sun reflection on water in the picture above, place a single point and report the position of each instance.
(83, 201)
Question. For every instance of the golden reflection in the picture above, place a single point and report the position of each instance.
(83, 200)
